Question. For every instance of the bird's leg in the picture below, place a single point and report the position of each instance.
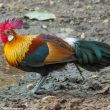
(79, 71)
(37, 87)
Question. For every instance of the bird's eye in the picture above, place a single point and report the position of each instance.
(8, 32)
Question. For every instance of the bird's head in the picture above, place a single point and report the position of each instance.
(7, 29)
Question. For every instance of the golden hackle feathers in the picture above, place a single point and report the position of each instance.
(15, 50)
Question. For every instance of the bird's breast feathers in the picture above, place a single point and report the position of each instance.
(15, 50)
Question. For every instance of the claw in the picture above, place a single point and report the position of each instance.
(36, 90)
(79, 71)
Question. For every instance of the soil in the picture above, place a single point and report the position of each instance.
(65, 89)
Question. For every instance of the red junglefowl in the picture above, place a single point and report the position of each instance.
(45, 53)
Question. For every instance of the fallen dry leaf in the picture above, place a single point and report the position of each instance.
(49, 99)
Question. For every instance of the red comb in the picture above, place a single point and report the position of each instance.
(11, 24)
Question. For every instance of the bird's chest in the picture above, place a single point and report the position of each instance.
(15, 53)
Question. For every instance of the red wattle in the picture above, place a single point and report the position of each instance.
(4, 39)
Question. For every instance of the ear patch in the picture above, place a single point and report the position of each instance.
(10, 37)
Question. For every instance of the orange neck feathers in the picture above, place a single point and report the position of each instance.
(16, 49)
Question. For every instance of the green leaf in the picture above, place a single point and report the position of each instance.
(40, 15)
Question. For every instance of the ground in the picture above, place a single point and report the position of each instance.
(86, 19)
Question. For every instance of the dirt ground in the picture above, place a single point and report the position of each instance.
(88, 19)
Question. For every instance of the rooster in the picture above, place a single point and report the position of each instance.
(45, 53)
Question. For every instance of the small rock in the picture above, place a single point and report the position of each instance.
(105, 21)
(82, 35)
(109, 107)
(30, 86)
(44, 26)
(1, 5)
(88, 7)
(94, 76)
(26, 8)
(95, 86)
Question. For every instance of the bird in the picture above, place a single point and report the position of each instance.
(44, 53)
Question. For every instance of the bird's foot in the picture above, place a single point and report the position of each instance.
(36, 89)
(38, 92)
(41, 92)
(83, 78)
